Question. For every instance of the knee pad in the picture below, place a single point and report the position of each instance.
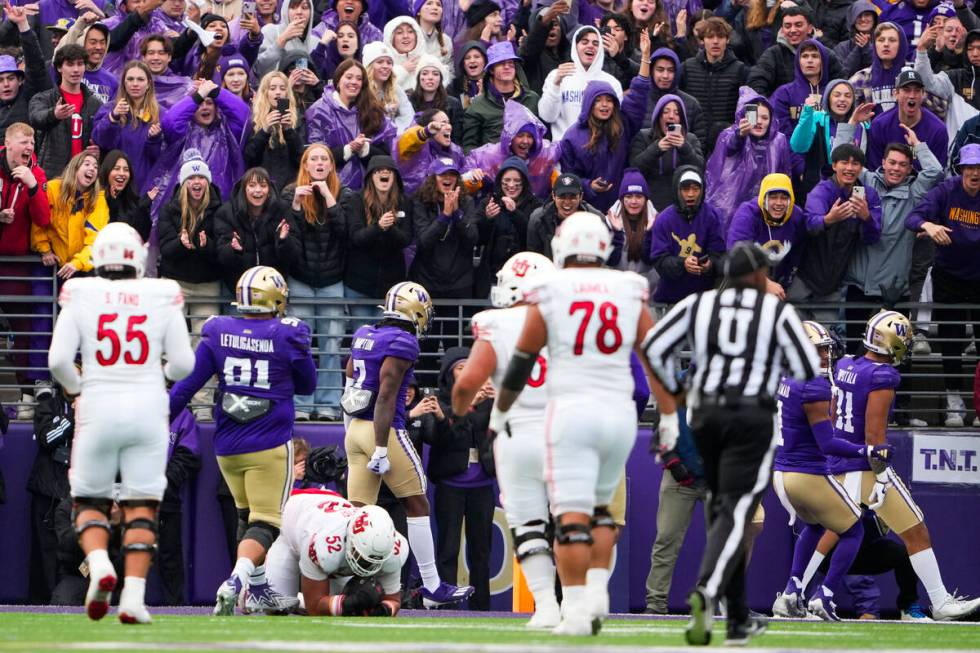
(531, 539)
(243, 514)
(263, 533)
(142, 524)
(153, 504)
(82, 504)
(574, 534)
(601, 518)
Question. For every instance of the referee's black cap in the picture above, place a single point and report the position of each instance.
(744, 258)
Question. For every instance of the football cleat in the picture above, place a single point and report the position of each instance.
(698, 631)
(100, 586)
(264, 599)
(445, 594)
(915, 613)
(955, 607)
(823, 606)
(227, 597)
(134, 614)
(577, 619)
(788, 606)
(545, 617)
(739, 634)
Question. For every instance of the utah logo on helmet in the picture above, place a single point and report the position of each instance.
(410, 302)
(514, 275)
(889, 333)
(261, 289)
(370, 540)
(118, 246)
(582, 235)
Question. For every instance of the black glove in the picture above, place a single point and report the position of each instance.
(380, 610)
(360, 596)
(673, 464)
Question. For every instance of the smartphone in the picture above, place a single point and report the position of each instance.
(303, 63)
(703, 259)
(752, 114)
(858, 192)
(605, 30)
(248, 8)
(674, 127)
(282, 105)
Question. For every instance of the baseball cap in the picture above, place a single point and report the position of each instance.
(909, 76)
(970, 155)
(690, 177)
(442, 165)
(61, 25)
(567, 184)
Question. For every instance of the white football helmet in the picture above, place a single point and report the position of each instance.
(514, 274)
(118, 246)
(583, 235)
(370, 540)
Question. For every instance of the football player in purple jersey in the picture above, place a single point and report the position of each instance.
(864, 391)
(379, 371)
(805, 487)
(262, 359)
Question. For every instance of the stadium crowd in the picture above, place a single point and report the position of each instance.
(351, 145)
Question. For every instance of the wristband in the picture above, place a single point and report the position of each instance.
(381, 452)
(883, 477)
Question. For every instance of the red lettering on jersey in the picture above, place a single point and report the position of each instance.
(333, 544)
(178, 299)
(520, 267)
(128, 299)
(537, 380)
(360, 524)
(590, 288)
(312, 552)
(398, 546)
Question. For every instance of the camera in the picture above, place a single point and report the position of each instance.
(43, 390)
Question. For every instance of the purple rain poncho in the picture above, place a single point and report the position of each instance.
(544, 155)
(330, 122)
(171, 89)
(414, 169)
(133, 138)
(737, 165)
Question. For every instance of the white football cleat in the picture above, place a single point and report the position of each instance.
(545, 617)
(100, 586)
(788, 606)
(955, 607)
(134, 614)
(577, 619)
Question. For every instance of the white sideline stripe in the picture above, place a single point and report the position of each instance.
(373, 647)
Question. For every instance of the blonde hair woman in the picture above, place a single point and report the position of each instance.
(131, 123)
(384, 84)
(314, 253)
(276, 141)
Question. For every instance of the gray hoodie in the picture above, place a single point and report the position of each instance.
(270, 53)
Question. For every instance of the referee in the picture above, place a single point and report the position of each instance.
(743, 340)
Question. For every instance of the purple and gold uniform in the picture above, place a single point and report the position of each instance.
(371, 345)
(855, 378)
(801, 460)
(261, 364)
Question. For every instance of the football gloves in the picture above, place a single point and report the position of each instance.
(379, 463)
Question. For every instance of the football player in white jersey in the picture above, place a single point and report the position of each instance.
(591, 319)
(519, 454)
(326, 542)
(125, 325)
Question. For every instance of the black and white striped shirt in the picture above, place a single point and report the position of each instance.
(742, 342)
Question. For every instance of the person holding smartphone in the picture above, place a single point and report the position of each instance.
(276, 141)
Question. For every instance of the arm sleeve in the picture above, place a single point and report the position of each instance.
(823, 432)
(931, 173)
(660, 343)
(549, 106)
(801, 355)
(175, 122)
(304, 369)
(927, 210)
(52, 427)
(36, 73)
(801, 139)
(938, 85)
(177, 347)
(64, 343)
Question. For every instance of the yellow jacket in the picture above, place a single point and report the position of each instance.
(70, 235)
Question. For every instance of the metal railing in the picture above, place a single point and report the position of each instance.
(922, 394)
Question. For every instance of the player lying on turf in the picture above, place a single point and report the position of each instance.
(345, 560)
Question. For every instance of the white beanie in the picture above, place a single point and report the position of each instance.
(193, 165)
(431, 61)
(375, 50)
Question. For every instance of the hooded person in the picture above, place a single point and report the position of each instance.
(157, 52)
(523, 136)
(546, 45)
(562, 96)
(812, 74)
(197, 60)
(666, 82)
(774, 221)
(471, 61)
(504, 217)
(687, 242)
(351, 10)
(889, 51)
(484, 118)
(419, 145)
(431, 93)
(862, 18)
(631, 220)
(664, 147)
(597, 147)
(744, 154)
(102, 83)
(814, 135)
(279, 39)
(430, 15)
(211, 123)
(912, 16)
(405, 38)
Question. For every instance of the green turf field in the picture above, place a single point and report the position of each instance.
(38, 633)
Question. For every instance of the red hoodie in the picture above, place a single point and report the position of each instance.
(15, 238)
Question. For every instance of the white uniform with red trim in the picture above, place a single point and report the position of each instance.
(519, 457)
(590, 425)
(312, 544)
(124, 329)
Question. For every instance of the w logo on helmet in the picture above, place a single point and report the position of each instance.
(900, 329)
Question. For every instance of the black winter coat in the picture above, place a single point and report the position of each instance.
(543, 224)
(777, 66)
(36, 79)
(54, 136)
(501, 237)
(540, 60)
(183, 465)
(449, 452)
(376, 256)
(316, 253)
(658, 166)
(715, 86)
(136, 215)
(54, 430)
(259, 236)
(282, 161)
(197, 265)
(444, 259)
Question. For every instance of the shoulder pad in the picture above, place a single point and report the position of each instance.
(885, 376)
(482, 325)
(817, 389)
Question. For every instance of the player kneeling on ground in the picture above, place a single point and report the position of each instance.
(124, 325)
(346, 560)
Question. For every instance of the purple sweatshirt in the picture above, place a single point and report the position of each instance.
(748, 224)
(788, 100)
(183, 432)
(367, 31)
(910, 19)
(823, 196)
(949, 205)
(885, 129)
(260, 359)
(606, 162)
(676, 236)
